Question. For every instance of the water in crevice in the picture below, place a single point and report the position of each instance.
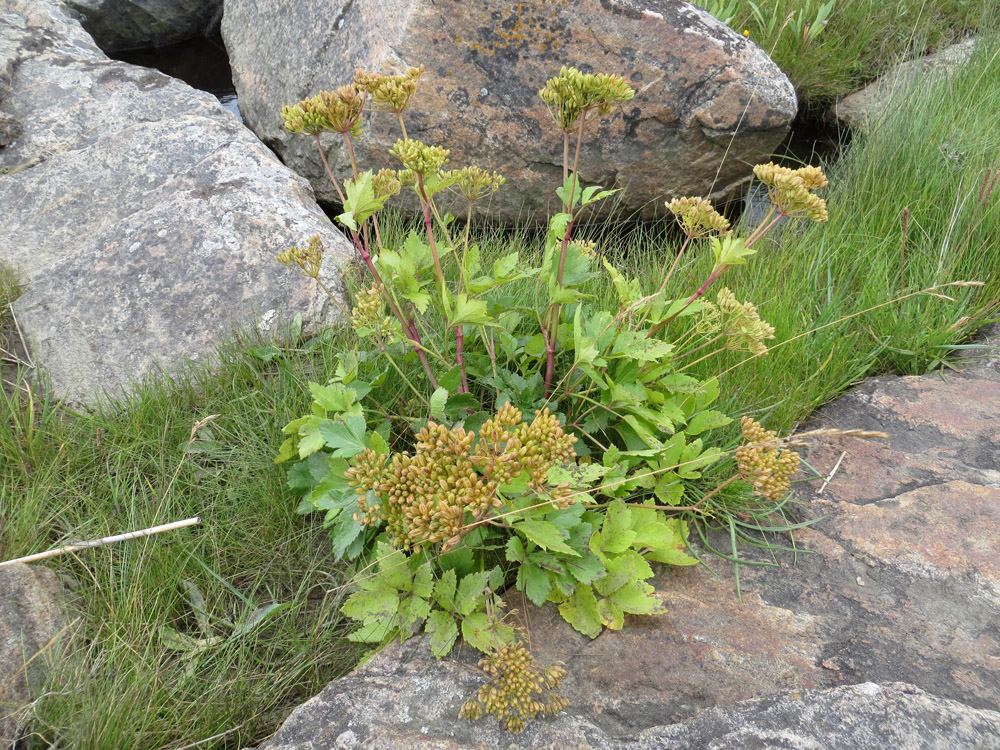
(201, 63)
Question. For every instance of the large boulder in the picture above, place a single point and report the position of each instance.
(119, 25)
(896, 581)
(708, 103)
(33, 619)
(142, 217)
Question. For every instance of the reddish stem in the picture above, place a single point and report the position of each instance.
(459, 344)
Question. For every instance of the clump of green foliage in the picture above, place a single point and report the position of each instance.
(461, 493)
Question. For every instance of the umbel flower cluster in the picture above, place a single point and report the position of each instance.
(739, 322)
(573, 93)
(764, 463)
(790, 189)
(451, 479)
(512, 695)
(697, 217)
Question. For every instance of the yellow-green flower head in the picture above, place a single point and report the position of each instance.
(343, 109)
(391, 92)
(308, 117)
(741, 324)
(573, 93)
(789, 189)
(473, 182)
(305, 260)
(418, 157)
(697, 217)
(386, 183)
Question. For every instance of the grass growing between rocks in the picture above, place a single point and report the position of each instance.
(860, 40)
(179, 641)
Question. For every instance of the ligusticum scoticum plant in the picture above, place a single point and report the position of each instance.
(498, 423)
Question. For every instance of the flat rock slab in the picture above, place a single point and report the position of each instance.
(708, 104)
(890, 611)
(142, 217)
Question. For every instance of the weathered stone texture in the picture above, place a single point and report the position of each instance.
(141, 216)
(708, 105)
(32, 617)
(118, 25)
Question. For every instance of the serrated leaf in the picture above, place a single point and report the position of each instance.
(438, 401)
(679, 383)
(444, 590)
(380, 600)
(535, 583)
(393, 569)
(730, 251)
(638, 598)
(345, 532)
(470, 594)
(623, 570)
(443, 631)
(616, 531)
(576, 475)
(639, 346)
(468, 311)
(373, 631)
(423, 581)
(706, 420)
(506, 265)
(585, 569)
(483, 634)
(515, 550)
(347, 438)
(305, 475)
(546, 535)
(580, 611)
(611, 614)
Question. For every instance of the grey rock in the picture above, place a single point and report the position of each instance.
(119, 25)
(870, 102)
(33, 606)
(709, 103)
(140, 214)
(403, 699)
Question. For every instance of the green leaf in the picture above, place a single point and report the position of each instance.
(730, 251)
(423, 581)
(345, 532)
(616, 532)
(580, 611)
(586, 569)
(444, 590)
(393, 569)
(438, 401)
(305, 475)
(611, 614)
(706, 420)
(545, 535)
(347, 438)
(679, 383)
(637, 598)
(515, 550)
(622, 570)
(483, 634)
(506, 265)
(256, 619)
(378, 600)
(471, 594)
(374, 631)
(443, 632)
(639, 346)
(534, 582)
(361, 201)
(468, 312)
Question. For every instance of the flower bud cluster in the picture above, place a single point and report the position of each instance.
(429, 496)
(507, 446)
(572, 93)
(368, 312)
(306, 260)
(763, 463)
(738, 321)
(472, 182)
(516, 686)
(385, 183)
(789, 189)
(331, 111)
(419, 157)
(697, 217)
(390, 92)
